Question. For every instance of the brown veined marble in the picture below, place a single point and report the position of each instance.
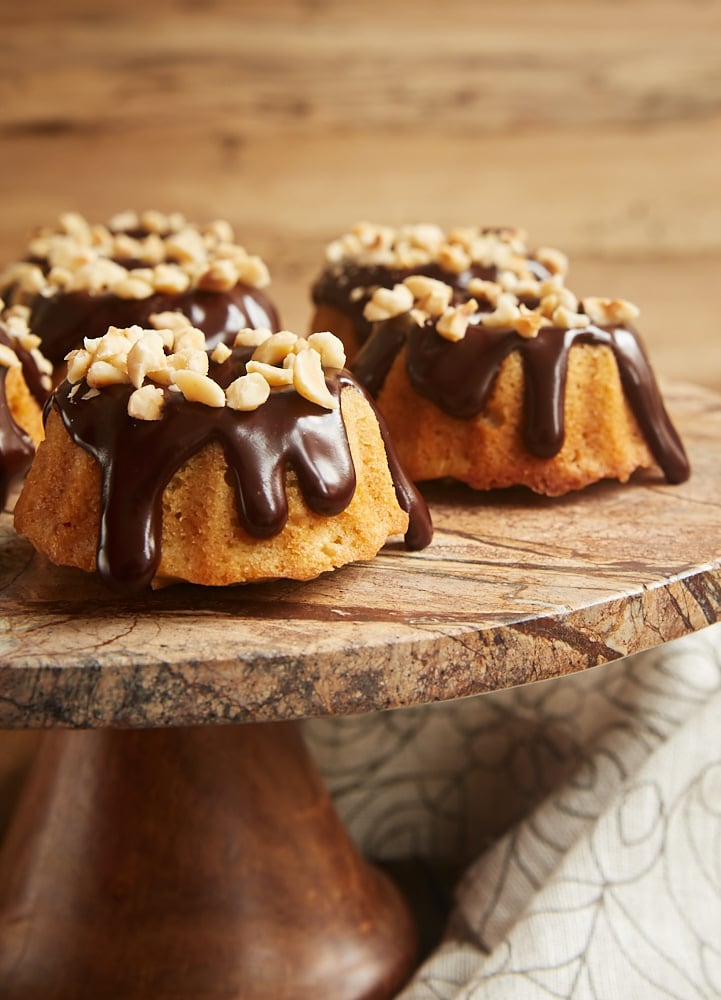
(514, 588)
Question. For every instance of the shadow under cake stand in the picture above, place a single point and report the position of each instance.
(166, 851)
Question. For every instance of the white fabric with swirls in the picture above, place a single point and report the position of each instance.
(589, 811)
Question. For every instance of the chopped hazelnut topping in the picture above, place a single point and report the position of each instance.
(386, 303)
(564, 318)
(102, 373)
(330, 348)
(454, 322)
(609, 311)
(198, 388)
(247, 392)
(273, 375)
(486, 290)
(8, 357)
(173, 358)
(146, 356)
(309, 380)
(251, 338)
(221, 276)
(175, 255)
(274, 348)
(454, 258)
(553, 260)
(132, 288)
(146, 403)
(530, 321)
(254, 272)
(221, 353)
(430, 295)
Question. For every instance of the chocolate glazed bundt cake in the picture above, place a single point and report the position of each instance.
(370, 258)
(164, 461)
(494, 392)
(78, 279)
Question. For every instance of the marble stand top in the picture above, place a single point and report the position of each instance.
(514, 588)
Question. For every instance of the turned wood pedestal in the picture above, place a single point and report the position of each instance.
(166, 851)
(203, 862)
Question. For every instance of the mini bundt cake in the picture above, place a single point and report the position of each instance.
(372, 257)
(165, 461)
(495, 393)
(79, 279)
(24, 386)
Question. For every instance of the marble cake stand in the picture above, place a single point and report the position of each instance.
(158, 853)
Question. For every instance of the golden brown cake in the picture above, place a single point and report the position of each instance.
(24, 387)
(372, 257)
(79, 278)
(495, 393)
(164, 461)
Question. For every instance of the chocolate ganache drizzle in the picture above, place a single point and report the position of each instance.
(138, 458)
(63, 320)
(339, 285)
(459, 377)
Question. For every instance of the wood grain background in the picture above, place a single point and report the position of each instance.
(596, 125)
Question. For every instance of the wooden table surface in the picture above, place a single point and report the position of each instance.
(596, 126)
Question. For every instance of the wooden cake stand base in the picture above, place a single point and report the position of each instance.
(203, 862)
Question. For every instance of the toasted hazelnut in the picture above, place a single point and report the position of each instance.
(247, 392)
(170, 320)
(221, 353)
(132, 288)
(273, 349)
(330, 348)
(454, 258)
(102, 373)
(309, 380)
(609, 311)
(486, 290)
(188, 359)
(505, 315)
(273, 375)
(220, 230)
(454, 322)
(8, 357)
(530, 322)
(185, 246)
(386, 303)
(170, 279)
(189, 338)
(553, 260)
(123, 221)
(146, 403)
(145, 356)
(198, 388)
(251, 338)
(154, 221)
(564, 318)
(221, 276)
(431, 295)
(254, 272)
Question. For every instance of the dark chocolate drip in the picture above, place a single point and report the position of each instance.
(139, 458)
(338, 285)
(16, 446)
(31, 373)
(63, 320)
(459, 377)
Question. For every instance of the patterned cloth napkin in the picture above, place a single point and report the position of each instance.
(587, 810)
